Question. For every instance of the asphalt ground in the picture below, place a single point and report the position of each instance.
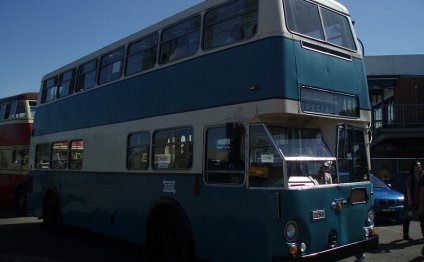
(24, 239)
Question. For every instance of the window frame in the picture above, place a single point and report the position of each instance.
(230, 16)
(82, 72)
(172, 40)
(71, 151)
(68, 83)
(142, 52)
(222, 172)
(107, 66)
(49, 92)
(21, 104)
(62, 163)
(142, 146)
(44, 154)
(322, 25)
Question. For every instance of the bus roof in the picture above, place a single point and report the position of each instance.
(196, 9)
(23, 96)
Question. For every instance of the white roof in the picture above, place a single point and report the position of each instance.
(394, 65)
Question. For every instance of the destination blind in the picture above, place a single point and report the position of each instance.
(324, 102)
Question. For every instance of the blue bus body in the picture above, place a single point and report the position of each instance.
(278, 66)
(258, 82)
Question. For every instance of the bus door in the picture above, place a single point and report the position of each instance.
(353, 176)
(224, 190)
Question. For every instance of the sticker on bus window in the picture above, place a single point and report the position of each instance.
(267, 158)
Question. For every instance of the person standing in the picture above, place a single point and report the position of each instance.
(412, 197)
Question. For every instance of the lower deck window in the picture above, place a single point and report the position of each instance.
(76, 154)
(138, 151)
(173, 149)
(59, 155)
(42, 156)
(224, 156)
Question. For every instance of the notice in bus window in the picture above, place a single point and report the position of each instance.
(267, 158)
(116, 67)
(163, 160)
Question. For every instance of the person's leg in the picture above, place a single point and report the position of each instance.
(406, 223)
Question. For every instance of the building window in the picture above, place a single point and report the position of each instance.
(230, 23)
(87, 74)
(49, 90)
(66, 83)
(225, 155)
(142, 54)
(111, 66)
(138, 151)
(173, 149)
(180, 40)
(42, 156)
(59, 155)
(76, 154)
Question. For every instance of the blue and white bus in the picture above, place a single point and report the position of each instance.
(232, 131)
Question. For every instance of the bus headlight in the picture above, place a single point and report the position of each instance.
(290, 231)
(370, 217)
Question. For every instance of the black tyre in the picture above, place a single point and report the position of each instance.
(52, 214)
(169, 237)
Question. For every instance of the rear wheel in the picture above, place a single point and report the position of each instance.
(168, 236)
(52, 214)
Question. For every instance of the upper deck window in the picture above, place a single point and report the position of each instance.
(32, 107)
(10, 109)
(49, 90)
(180, 40)
(66, 83)
(20, 110)
(111, 66)
(87, 74)
(320, 23)
(2, 110)
(230, 23)
(142, 54)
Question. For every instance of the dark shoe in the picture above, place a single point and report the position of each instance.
(407, 238)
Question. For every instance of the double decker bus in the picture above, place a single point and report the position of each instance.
(234, 130)
(16, 118)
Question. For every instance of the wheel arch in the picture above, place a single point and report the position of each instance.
(163, 204)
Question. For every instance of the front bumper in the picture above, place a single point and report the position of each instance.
(337, 253)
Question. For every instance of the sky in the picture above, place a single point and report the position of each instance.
(39, 36)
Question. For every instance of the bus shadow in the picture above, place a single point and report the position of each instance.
(399, 244)
(10, 213)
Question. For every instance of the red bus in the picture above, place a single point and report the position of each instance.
(16, 118)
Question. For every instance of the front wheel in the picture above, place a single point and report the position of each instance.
(168, 237)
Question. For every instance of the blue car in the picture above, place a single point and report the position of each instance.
(388, 203)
